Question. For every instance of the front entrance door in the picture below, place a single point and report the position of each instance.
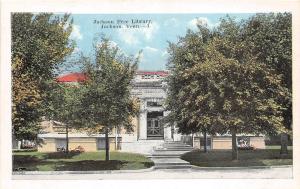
(155, 129)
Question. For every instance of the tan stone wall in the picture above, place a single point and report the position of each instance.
(112, 144)
(221, 143)
(258, 142)
(225, 142)
(197, 142)
(49, 127)
(89, 144)
(48, 146)
(135, 125)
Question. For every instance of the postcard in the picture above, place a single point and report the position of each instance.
(182, 93)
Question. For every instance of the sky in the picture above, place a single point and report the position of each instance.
(152, 35)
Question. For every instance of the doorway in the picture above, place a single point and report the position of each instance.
(155, 129)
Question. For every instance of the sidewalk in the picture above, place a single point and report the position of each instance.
(284, 172)
(167, 156)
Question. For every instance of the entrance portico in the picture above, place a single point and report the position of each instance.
(151, 126)
(149, 88)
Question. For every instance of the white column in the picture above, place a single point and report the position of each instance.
(167, 129)
(116, 138)
(143, 125)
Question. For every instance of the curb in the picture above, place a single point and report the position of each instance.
(194, 167)
(81, 172)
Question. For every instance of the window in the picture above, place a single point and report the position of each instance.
(154, 104)
(243, 141)
(208, 142)
(61, 144)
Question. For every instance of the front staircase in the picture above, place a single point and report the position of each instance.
(167, 155)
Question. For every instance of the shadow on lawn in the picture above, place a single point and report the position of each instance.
(222, 158)
(31, 162)
(25, 162)
(91, 165)
(148, 164)
(61, 155)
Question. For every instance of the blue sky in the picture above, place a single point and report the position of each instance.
(152, 40)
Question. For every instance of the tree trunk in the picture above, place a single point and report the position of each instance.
(172, 132)
(192, 140)
(205, 141)
(67, 139)
(284, 144)
(116, 138)
(22, 144)
(106, 145)
(234, 145)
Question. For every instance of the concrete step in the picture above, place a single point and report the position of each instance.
(172, 167)
(182, 147)
(175, 143)
(170, 152)
(167, 156)
(175, 149)
(170, 161)
(165, 164)
(175, 146)
(164, 156)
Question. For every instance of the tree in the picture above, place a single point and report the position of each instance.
(228, 89)
(26, 99)
(267, 38)
(271, 36)
(233, 97)
(189, 51)
(106, 101)
(63, 103)
(40, 44)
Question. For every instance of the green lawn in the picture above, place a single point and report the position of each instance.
(222, 158)
(278, 147)
(87, 161)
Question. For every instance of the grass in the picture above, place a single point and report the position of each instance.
(87, 161)
(278, 147)
(223, 158)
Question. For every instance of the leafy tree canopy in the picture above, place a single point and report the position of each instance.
(106, 100)
(40, 43)
(222, 82)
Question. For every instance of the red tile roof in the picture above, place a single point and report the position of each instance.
(72, 77)
(160, 73)
(80, 77)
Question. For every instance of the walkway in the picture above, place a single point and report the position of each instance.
(168, 165)
(167, 156)
(271, 173)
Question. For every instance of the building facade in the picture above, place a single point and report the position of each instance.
(149, 129)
